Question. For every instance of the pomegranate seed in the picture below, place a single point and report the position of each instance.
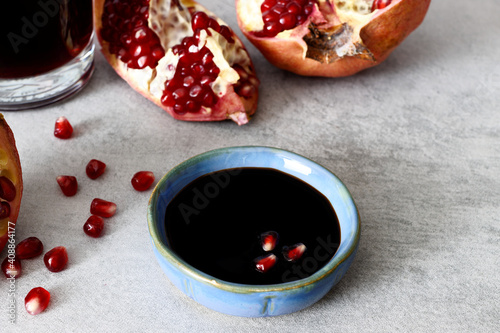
(11, 268)
(284, 15)
(95, 169)
(102, 208)
(265, 263)
(129, 35)
(56, 259)
(294, 252)
(94, 226)
(37, 300)
(63, 129)
(68, 185)
(143, 180)
(380, 4)
(29, 248)
(4, 209)
(7, 189)
(268, 240)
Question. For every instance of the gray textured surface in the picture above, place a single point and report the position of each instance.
(416, 140)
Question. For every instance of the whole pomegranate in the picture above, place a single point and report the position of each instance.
(180, 56)
(331, 38)
(11, 183)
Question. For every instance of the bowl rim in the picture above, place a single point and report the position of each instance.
(200, 276)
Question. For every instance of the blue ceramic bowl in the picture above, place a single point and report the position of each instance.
(254, 300)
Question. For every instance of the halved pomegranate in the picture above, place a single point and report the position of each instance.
(330, 38)
(11, 183)
(180, 56)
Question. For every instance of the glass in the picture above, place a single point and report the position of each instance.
(46, 51)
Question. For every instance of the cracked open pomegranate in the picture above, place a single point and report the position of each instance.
(180, 56)
(11, 183)
(331, 38)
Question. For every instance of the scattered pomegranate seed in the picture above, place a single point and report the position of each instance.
(7, 189)
(29, 248)
(143, 180)
(63, 129)
(268, 240)
(68, 185)
(265, 263)
(11, 268)
(94, 226)
(95, 169)
(294, 252)
(37, 300)
(380, 4)
(102, 208)
(56, 259)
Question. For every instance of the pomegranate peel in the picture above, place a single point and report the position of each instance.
(11, 182)
(169, 41)
(338, 38)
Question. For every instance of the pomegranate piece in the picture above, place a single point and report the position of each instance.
(95, 169)
(102, 208)
(11, 183)
(94, 226)
(331, 38)
(294, 252)
(268, 240)
(68, 185)
(56, 259)
(180, 56)
(265, 263)
(29, 248)
(63, 128)
(11, 267)
(37, 300)
(143, 180)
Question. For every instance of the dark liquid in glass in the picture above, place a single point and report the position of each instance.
(37, 36)
(215, 223)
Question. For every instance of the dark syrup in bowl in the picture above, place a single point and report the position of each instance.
(217, 222)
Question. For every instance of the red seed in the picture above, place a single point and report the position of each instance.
(284, 15)
(143, 180)
(63, 129)
(94, 226)
(37, 300)
(125, 27)
(380, 4)
(7, 189)
(265, 263)
(56, 259)
(68, 185)
(95, 169)
(102, 208)
(11, 267)
(4, 209)
(294, 252)
(268, 240)
(29, 248)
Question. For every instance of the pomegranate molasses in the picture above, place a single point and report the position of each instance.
(37, 36)
(243, 225)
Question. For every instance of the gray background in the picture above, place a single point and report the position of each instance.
(416, 140)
